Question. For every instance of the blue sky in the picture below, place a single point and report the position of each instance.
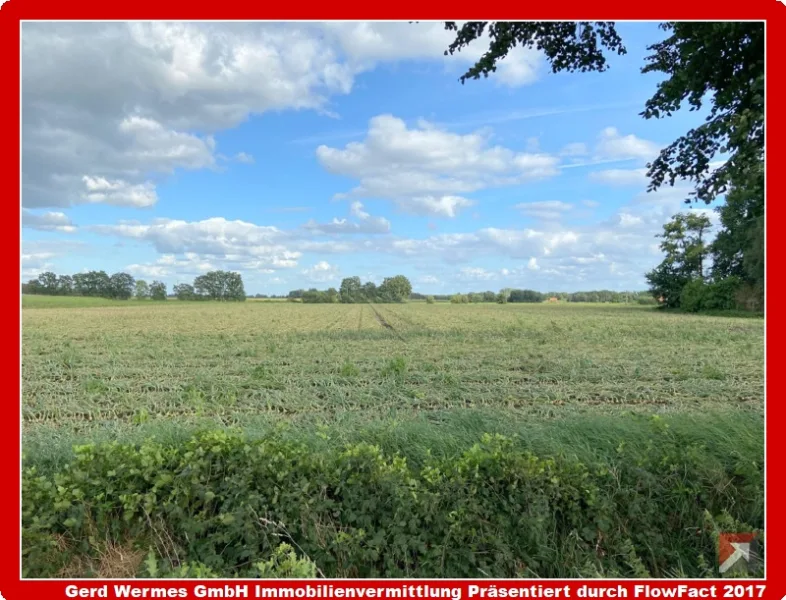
(299, 154)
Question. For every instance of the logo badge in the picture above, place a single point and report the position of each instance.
(736, 552)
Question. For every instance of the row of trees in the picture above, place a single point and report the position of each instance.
(353, 291)
(727, 273)
(510, 295)
(96, 284)
(215, 285)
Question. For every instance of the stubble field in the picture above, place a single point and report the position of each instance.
(107, 370)
(650, 402)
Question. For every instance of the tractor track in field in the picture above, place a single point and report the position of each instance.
(385, 324)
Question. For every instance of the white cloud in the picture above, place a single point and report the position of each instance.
(254, 246)
(129, 101)
(243, 157)
(367, 42)
(547, 209)
(339, 226)
(408, 165)
(185, 266)
(552, 257)
(428, 280)
(148, 270)
(35, 263)
(321, 272)
(118, 192)
(436, 206)
(613, 145)
(365, 224)
(575, 149)
(48, 221)
(621, 177)
(475, 274)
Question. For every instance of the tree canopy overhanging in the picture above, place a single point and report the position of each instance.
(720, 64)
(717, 64)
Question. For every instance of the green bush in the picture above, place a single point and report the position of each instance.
(430, 300)
(693, 295)
(221, 506)
(698, 296)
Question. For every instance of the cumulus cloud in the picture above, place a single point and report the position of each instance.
(254, 246)
(435, 206)
(321, 272)
(47, 221)
(132, 101)
(188, 265)
(612, 253)
(365, 223)
(425, 169)
(613, 145)
(547, 209)
(118, 192)
(367, 42)
(35, 263)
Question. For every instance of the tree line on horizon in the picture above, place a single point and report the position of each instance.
(228, 286)
(214, 285)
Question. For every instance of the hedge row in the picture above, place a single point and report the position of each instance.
(221, 505)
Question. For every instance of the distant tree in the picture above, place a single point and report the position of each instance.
(430, 300)
(184, 291)
(220, 285)
(332, 295)
(525, 296)
(121, 286)
(235, 291)
(738, 249)
(395, 289)
(351, 290)
(685, 249)
(158, 290)
(48, 281)
(142, 289)
(489, 297)
(94, 284)
(370, 292)
(313, 296)
(296, 294)
(65, 285)
(33, 287)
(502, 297)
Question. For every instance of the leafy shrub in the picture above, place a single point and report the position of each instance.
(430, 300)
(750, 297)
(720, 295)
(525, 296)
(693, 295)
(221, 506)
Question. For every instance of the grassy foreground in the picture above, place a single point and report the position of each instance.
(415, 440)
